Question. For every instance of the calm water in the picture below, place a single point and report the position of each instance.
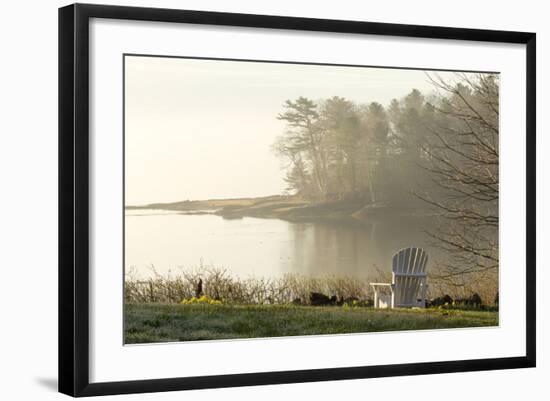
(263, 247)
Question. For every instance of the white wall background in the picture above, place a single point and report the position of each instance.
(28, 199)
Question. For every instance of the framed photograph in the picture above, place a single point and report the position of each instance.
(251, 199)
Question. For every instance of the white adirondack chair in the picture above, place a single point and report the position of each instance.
(408, 281)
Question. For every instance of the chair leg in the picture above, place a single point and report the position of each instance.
(423, 293)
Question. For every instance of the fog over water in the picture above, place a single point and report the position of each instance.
(211, 129)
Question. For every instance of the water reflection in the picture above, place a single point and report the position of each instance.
(351, 249)
(265, 247)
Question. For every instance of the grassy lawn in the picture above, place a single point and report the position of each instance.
(172, 322)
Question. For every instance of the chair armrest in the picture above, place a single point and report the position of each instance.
(380, 284)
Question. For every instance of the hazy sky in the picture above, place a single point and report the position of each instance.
(200, 129)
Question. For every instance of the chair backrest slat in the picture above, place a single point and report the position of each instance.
(408, 264)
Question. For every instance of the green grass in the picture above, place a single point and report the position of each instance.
(171, 322)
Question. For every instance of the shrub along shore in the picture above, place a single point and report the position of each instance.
(218, 284)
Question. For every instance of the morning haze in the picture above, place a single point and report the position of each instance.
(183, 114)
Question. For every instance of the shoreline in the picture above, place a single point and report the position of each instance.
(289, 208)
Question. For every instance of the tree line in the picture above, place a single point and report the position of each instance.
(337, 149)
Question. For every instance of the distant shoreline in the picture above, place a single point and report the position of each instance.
(287, 207)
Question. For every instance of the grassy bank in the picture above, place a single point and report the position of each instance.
(171, 322)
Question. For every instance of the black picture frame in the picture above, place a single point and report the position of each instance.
(74, 193)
